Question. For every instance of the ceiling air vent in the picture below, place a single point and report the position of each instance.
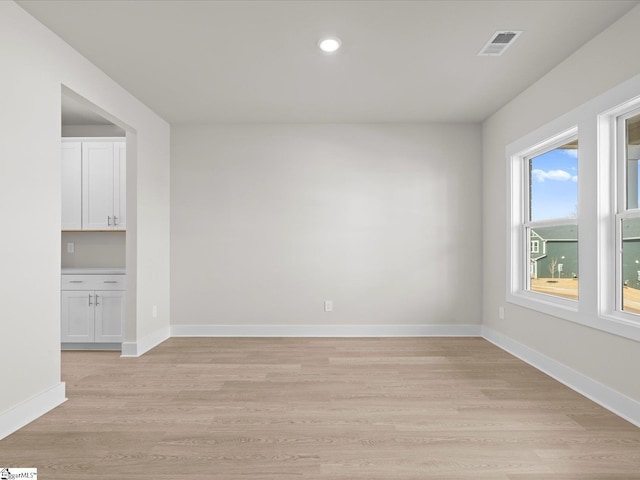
(499, 42)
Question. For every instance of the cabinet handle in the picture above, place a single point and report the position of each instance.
(115, 220)
(90, 299)
(75, 281)
(110, 281)
(108, 221)
(97, 300)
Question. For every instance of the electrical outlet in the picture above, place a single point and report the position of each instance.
(154, 311)
(71, 247)
(328, 306)
(501, 313)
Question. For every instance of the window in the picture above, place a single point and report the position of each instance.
(595, 281)
(551, 210)
(618, 217)
(535, 246)
(543, 250)
(628, 214)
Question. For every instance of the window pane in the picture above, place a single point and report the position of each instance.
(631, 265)
(553, 183)
(553, 269)
(633, 154)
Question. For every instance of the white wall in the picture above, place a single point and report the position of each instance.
(94, 249)
(35, 65)
(601, 64)
(268, 221)
(92, 131)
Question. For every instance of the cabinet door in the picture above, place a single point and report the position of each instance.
(71, 186)
(120, 185)
(110, 311)
(77, 316)
(97, 183)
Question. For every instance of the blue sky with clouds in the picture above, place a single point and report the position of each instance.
(554, 185)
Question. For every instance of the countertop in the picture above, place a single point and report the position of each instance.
(94, 271)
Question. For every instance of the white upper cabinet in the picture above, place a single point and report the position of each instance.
(100, 197)
(98, 186)
(71, 186)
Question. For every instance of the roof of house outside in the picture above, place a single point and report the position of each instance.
(631, 228)
(561, 232)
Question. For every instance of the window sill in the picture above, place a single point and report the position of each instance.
(620, 324)
(615, 323)
(549, 304)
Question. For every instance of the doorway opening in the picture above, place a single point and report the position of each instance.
(96, 156)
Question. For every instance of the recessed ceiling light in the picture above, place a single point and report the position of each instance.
(329, 44)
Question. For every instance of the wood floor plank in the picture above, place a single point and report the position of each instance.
(324, 408)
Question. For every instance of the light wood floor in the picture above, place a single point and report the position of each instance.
(234, 408)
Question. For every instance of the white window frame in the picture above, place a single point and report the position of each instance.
(622, 211)
(612, 140)
(519, 281)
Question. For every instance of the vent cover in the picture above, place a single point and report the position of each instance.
(499, 42)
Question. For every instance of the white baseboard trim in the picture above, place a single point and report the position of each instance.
(326, 330)
(614, 401)
(26, 412)
(142, 346)
(91, 346)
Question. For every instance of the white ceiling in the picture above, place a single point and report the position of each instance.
(258, 61)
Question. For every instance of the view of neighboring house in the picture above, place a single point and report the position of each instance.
(554, 252)
(559, 245)
(631, 253)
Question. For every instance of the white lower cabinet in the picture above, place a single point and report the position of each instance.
(90, 315)
(109, 316)
(78, 317)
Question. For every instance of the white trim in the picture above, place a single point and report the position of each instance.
(614, 401)
(326, 330)
(27, 411)
(139, 348)
(71, 346)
